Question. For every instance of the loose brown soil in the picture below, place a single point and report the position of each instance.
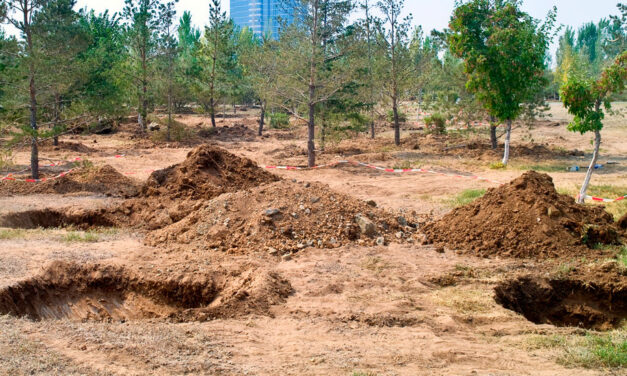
(592, 299)
(102, 180)
(284, 215)
(108, 292)
(525, 218)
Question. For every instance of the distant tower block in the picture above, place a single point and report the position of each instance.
(261, 16)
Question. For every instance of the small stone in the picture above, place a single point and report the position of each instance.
(381, 241)
(307, 211)
(286, 257)
(273, 251)
(307, 185)
(300, 246)
(271, 212)
(301, 207)
(439, 250)
(366, 226)
(402, 221)
(371, 203)
(315, 199)
(320, 243)
(295, 215)
(294, 180)
(399, 235)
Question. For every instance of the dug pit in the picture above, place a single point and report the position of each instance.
(108, 292)
(599, 304)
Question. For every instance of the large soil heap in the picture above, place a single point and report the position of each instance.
(284, 216)
(103, 180)
(525, 218)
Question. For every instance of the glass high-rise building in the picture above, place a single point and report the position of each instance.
(261, 16)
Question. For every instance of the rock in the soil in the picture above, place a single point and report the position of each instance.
(402, 221)
(371, 203)
(381, 241)
(153, 127)
(315, 199)
(273, 251)
(286, 257)
(271, 212)
(399, 235)
(366, 226)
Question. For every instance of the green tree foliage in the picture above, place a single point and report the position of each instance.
(144, 22)
(314, 65)
(395, 66)
(587, 100)
(187, 66)
(104, 86)
(504, 50)
(168, 50)
(216, 57)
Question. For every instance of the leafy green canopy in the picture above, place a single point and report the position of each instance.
(583, 97)
(504, 50)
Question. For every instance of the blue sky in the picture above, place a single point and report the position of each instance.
(428, 13)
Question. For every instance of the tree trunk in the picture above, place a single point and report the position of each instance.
(493, 139)
(57, 117)
(311, 147)
(262, 119)
(397, 126)
(34, 153)
(595, 156)
(212, 110)
(372, 134)
(169, 127)
(508, 135)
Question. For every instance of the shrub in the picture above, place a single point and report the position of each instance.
(279, 120)
(436, 123)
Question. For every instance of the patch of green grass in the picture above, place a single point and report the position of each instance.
(543, 168)
(465, 197)
(597, 351)
(12, 233)
(497, 166)
(622, 257)
(81, 237)
(594, 350)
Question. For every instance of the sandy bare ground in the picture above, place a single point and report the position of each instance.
(353, 310)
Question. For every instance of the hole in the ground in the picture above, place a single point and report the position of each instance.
(102, 293)
(564, 302)
(48, 218)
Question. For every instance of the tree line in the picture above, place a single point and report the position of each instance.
(329, 71)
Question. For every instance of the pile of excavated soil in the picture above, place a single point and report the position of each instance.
(587, 297)
(102, 180)
(525, 218)
(283, 217)
(207, 172)
(110, 292)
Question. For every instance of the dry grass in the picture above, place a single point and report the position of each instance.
(465, 301)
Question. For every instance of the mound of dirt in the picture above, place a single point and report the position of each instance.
(104, 180)
(282, 217)
(592, 299)
(525, 218)
(207, 172)
(109, 292)
(66, 146)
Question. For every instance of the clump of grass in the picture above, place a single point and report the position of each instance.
(404, 165)
(543, 168)
(621, 257)
(497, 166)
(13, 233)
(464, 301)
(597, 351)
(80, 237)
(466, 197)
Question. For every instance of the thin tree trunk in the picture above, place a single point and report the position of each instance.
(493, 139)
(34, 151)
(169, 127)
(57, 118)
(212, 110)
(397, 126)
(262, 119)
(595, 156)
(311, 147)
(372, 132)
(508, 135)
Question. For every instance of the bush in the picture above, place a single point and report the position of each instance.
(279, 120)
(402, 117)
(436, 123)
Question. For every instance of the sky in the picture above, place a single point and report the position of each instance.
(431, 14)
